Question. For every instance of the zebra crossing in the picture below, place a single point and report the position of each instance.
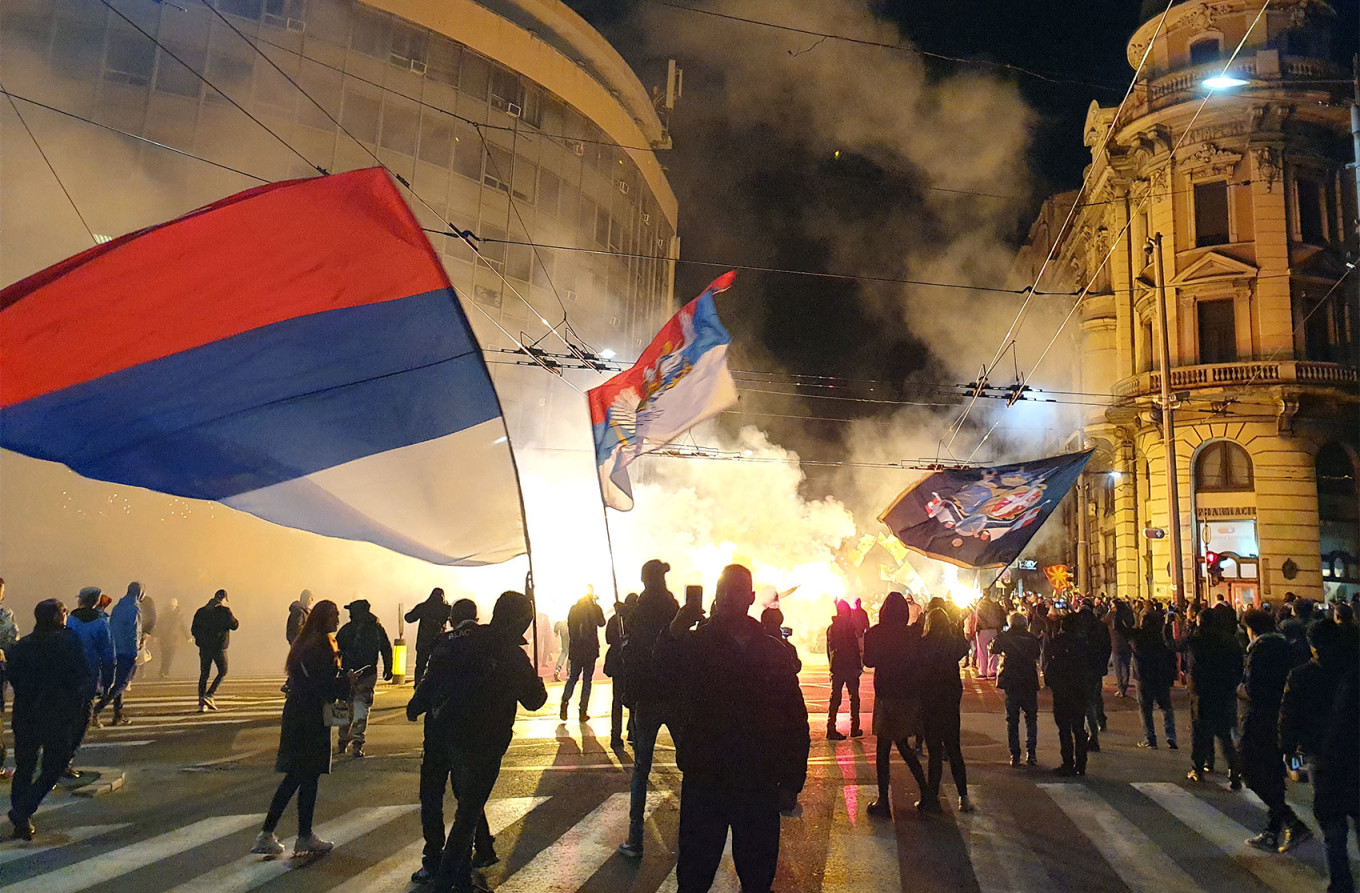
(1114, 820)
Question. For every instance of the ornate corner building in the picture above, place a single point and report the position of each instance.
(1249, 189)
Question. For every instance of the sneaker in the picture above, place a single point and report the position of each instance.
(965, 805)
(202, 706)
(311, 845)
(557, 677)
(1150, 745)
(422, 875)
(122, 721)
(856, 732)
(485, 858)
(1093, 746)
(1015, 761)
(6, 773)
(266, 844)
(834, 735)
(630, 850)
(359, 753)
(1171, 744)
(1235, 783)
(1295, 834)
(616, 744)
(212, 705)
(1266, 840)
(1102, 725)
(71, 772)
(23, 829)
(928, 805)
(585, 717)
(1195, 775)
(881, 808)
(1065, 771)
(562, 714)
(1031, 760)
(341, 747)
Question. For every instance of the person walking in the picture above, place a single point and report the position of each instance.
(432, 615)
(9, 634)
(1213, 672)
(847, 665)
(743, 756)
(1099, 647)
(584, 620)
(1270, 658)
(173, 632)
(361, 641)
(615, 633)
(1155, 664)
(475, 678)
(1018, 678)
(211, 628)
(990, 619)
(1067, 675)
(125, 626)
(890, 648)
(941, 648)
(91, 627)
(314, 681)
(297, 615)
(50, 677)
(651, 703)
(1120, 620)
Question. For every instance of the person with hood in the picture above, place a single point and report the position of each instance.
(1018, 678)
(125, 626)
(297, 615)
(173, 632)
(315, 680)
(1155, 663)
(1318, 719)
(472, 685)
(890, 648)
(743, 756)
(584, 620)
(847, 665)
(432, 615)
(50, 676)
(361, 642)
(211, 629)
(1270, 658)
(1067, 676)
(651, 704)
(1213, 671)
(941, 648)
(615, 633)
(91, 628)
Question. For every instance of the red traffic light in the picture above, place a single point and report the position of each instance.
(1211, 557)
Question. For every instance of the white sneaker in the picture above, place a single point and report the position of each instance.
(311, 845)
(266, 844)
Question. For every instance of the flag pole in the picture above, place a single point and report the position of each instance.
(608, 537)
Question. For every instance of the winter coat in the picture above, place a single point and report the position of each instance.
(1019, 650)
(989, 615)
(1069, 659)
(432, 615)
(1213, 666)
(615, 633)
(9, 630)
(890, 647)
(212, 626)
(653, 613)
(92, 630)
(362, 641)
(937, 660)
(50, 675)
(754, 738)
(125, 624)
(1124, 622)
(149, 616)
(584, 620)
(1154, 660)
(842, 647)
(297, 616)
(314, 680)
(1269, 660)
(1099, 644)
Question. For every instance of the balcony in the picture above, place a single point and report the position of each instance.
(1249, 372)
(1186, 84)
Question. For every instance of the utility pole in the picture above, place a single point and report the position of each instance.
(1173, 495)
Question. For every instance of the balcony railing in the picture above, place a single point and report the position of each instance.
(1250, 372)
(1186, 84)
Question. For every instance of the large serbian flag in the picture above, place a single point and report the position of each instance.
(680, 380)
(295, 351)
(982, 517)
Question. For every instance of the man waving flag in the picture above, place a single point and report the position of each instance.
(680, 380)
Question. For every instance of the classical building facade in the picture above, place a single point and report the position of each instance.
(1249, 191)
(513, 120)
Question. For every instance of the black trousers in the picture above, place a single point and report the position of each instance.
(435, 778)
(206, 658)
(706, 813)
(304, 784)
(1018, 702)
(1263, 771)
(1095, 706)
(883, 765)
(1210, 721)
(1069, 712)
(850, 681)
(422, 660)
(942, 736)
(55, 751)
(1336, 806)
(472, 776)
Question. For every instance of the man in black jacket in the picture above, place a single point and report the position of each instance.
(361, 642)
(211, 630)
(1269, 660)
(1019, 679)
(843, 651)
(1067, 676)
(743, 755)
(432, 615)
(49, 673)
(1156, 665)
(1098, 641)
(615, 634)
(474, 680)
(584, 620)
(1214, 670)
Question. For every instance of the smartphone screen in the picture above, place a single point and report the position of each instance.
(694, 596)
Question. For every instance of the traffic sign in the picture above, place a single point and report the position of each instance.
(1154, 533)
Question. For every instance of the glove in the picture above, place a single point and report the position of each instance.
(387, 676)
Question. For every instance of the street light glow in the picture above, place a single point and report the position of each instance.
(607, 354)
(1224, 82)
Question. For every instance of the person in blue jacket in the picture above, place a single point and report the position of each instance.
(91, 627)
(125, 626)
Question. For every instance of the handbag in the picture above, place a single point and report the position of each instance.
(335, 713)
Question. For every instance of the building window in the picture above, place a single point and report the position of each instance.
(1330, 328)
(1204, 51)
(173, 77)
(371, 34)
(1312, 219)
(131, 59)
(1211, 213)
(1338, 515)
(1217, 332)
(1223, 466)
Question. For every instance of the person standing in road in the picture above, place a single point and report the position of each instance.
(173, 631)
(1069, 662)
(743, 755)
(432, 615)
(847, 665)
(615, 633)
(584, 620)
(297, 615)
(91, 627)
(941, 648)
(314, 680)
(9, 634)
(890, 648)
(1213, 670)
(1155, 664)
(1120, 622)
(563, 633)
(361, 642)
(1018, 678)
(990, 619)
(212, 627)
(1100, 647)
(125, 625)
(50, 677)
(862, 624)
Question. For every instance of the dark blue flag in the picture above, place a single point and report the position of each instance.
(982, 517)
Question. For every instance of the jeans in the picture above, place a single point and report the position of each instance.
(647, 721)
(1069, 713)
(1028, 702)
(986, 661)
(125, 668)
(1095, 707)
(616, 713)
(1123, 664)
(360, 701)
(472, 776)
(303, 784)
(435, 771)
(582, 670)
(1160, 696)
(706, 814)
(206, 658)
(850, 681)
(26, 792)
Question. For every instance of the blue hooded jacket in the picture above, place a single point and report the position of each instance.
(92, 629)
(125, 622)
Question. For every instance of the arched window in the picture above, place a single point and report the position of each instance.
(1223, 466)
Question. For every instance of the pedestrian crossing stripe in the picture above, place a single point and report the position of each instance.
(72, 837)
(1001, 861)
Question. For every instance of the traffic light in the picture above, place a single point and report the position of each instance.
(1213, 565)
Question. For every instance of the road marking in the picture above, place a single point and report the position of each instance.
(568, 863)
(1001, 863)
(73, 836)
(1229, 837)
(863, 850)
(394, 872)
(115, 864)
(251, 871)
(1133, 856)
(89, 745)
(724, 880)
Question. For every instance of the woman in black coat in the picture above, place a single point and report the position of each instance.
(314, 680)
(939, 652)
(890, 648)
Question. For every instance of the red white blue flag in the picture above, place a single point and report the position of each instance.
(295, 351)
(680, 380)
